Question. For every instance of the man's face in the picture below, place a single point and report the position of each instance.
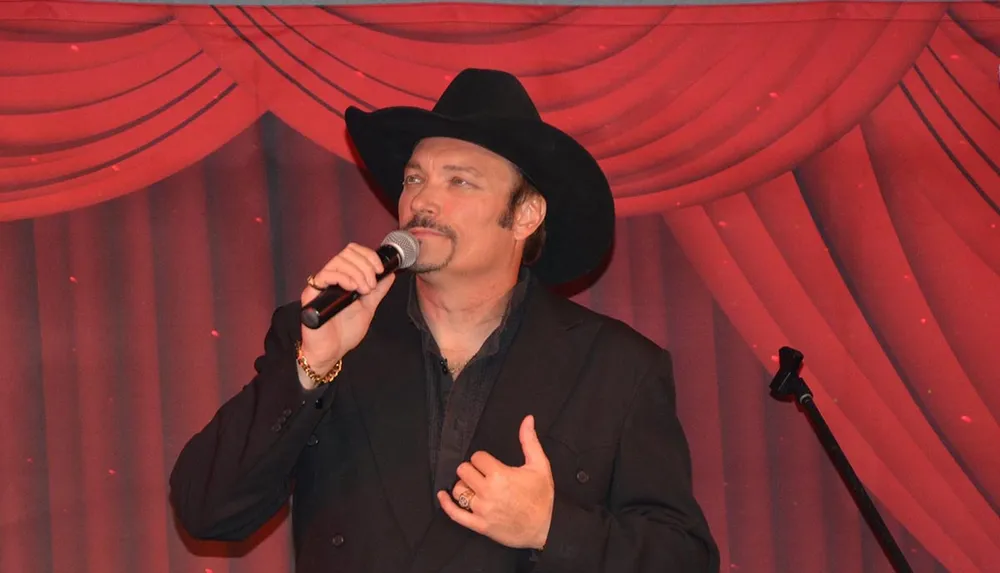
(454, 194)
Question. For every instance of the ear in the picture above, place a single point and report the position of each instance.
(529, 216)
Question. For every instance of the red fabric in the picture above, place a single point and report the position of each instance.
(681, 105)
(819, 175)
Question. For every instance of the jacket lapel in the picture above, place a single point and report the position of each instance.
(539, 373)
(391, 398)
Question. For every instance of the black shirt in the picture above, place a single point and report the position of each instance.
(454, 406)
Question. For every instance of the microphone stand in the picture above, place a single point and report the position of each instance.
(786, 386)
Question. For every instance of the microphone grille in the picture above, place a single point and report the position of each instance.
(406, 244)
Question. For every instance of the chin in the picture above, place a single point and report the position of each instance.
(421, 269)
(426, 265)
(431, 258)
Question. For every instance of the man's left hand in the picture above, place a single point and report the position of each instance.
(510, 505)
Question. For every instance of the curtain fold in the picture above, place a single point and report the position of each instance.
(61, 49)
(140, 397)
(680, 104)
(878, 448)
(54, 280)
(30, 94)
(23, 463)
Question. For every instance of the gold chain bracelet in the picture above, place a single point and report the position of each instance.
(318, 380)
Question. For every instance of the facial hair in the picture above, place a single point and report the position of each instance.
(422, 221)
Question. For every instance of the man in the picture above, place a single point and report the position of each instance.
(459, 417)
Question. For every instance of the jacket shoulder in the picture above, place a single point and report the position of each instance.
(613, 335)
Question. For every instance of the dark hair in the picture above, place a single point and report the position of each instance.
(523, 190)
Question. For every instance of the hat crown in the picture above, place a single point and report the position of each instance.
(486, 93)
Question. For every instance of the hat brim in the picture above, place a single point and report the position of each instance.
(580, 217)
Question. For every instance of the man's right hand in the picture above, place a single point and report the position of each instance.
(354, 268)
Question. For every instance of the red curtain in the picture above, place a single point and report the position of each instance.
(819, 175)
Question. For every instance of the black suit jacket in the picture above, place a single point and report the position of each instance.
(354, 454)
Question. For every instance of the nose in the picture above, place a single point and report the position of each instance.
(423, 199)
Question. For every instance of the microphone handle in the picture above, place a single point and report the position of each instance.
(334, 299)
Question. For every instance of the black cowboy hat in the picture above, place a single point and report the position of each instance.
(491, 109)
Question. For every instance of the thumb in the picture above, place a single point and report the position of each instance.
(532, 448)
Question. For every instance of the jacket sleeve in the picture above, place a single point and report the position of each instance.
(235, 474)
(652, 522)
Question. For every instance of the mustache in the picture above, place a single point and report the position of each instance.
(425, 222)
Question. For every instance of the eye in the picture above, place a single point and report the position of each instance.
(411, 179)
(459, 182)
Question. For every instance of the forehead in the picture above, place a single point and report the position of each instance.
(455, 152)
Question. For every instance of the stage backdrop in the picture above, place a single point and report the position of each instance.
(819, 175)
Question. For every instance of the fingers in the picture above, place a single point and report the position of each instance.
(465, 496)
(461, 487)
(357, 266)
(370, 255)
(354, 268)
(364, 259)
(471, 477)
(460, 516)
(373, 298)
(486, 463)
(328, 277)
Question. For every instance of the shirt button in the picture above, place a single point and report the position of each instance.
(276, 427)
(312, 441)
(582, 476)
(337, 540)
(286, 413)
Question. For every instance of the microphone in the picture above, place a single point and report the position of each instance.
(398, 251)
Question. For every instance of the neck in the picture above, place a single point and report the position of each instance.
(463, 313)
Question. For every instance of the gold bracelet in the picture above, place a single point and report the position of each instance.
(300, 358)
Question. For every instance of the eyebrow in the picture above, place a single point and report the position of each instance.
(454, 168)
(463, 169)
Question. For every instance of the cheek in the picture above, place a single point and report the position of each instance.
(477, 225)
(483, 235)
(403, 205)
(480, 214)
